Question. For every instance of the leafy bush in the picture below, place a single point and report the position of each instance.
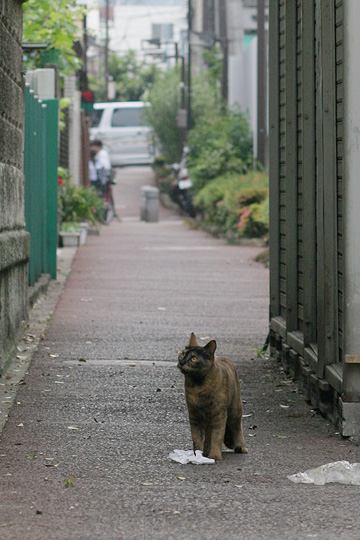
(235, 206)
(78, 203)
(220, 144)
(163, 175)
(164, 98)
(206, 102)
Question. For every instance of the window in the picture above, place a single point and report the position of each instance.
(163, 31)
(96, 117)
(132, 117)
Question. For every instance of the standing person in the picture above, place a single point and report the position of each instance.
(100, 172)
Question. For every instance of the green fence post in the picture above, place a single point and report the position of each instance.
(51, 163)
(40, 171)
(38, 209)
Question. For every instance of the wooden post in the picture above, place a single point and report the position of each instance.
(274, 159)
(309, 170)
(351, 202)
(291, 167)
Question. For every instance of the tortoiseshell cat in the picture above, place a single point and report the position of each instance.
(212, 392)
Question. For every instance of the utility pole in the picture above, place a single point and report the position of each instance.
(106, 48)
(225, 52)
(261, 83)
(85, 48)
(189, 104)
(183, 82)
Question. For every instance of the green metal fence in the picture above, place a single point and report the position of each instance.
(40, 171)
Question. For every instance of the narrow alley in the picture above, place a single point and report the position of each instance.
(85, 451)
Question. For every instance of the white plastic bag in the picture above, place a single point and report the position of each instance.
(187, 456)
(341, 472)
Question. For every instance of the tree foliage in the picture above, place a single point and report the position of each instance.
(132, 77)
(56, 23)
(164, 98)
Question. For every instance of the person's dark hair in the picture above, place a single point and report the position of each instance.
(96, 142)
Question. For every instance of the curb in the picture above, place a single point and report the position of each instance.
(40, 287)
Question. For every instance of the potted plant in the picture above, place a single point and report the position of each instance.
(79, 208)
(70, 234)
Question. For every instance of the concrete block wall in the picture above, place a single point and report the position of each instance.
(14, 241)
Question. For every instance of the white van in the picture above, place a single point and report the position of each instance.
(122, 129)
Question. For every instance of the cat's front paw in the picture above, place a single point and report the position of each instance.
(241, 450)
(215, 455)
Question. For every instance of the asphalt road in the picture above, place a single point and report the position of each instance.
(84, 453)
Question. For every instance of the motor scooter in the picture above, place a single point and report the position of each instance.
(181, 192)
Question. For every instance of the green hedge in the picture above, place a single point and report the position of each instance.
(220, 144)
(235, 206)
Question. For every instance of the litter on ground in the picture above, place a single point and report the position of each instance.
(341, 472)
(187, 456)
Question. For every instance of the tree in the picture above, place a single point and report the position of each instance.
(56, 23)
(164, 99)
(132, 77)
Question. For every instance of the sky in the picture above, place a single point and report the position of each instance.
(147, 2)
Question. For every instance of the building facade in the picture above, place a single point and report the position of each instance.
(133, 24)
(232, 24)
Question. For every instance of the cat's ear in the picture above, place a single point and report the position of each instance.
(193, 341)
(210, 348)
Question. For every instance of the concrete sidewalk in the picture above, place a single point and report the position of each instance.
(84, 453)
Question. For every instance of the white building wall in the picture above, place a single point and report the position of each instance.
(132, 25)
(235, 26)
(249, 87)
(74, 127)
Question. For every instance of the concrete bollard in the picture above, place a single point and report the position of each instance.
(149, 209)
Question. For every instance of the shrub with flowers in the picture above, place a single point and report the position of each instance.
(235, 206)
(77, 203)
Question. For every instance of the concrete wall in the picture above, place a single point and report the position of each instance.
(13, 238)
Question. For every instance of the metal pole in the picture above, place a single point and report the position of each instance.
(85, 48)
(224, 48)
(176, 53)
(189, 115)
(106, 49)
(182, 82)
(261, 83)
